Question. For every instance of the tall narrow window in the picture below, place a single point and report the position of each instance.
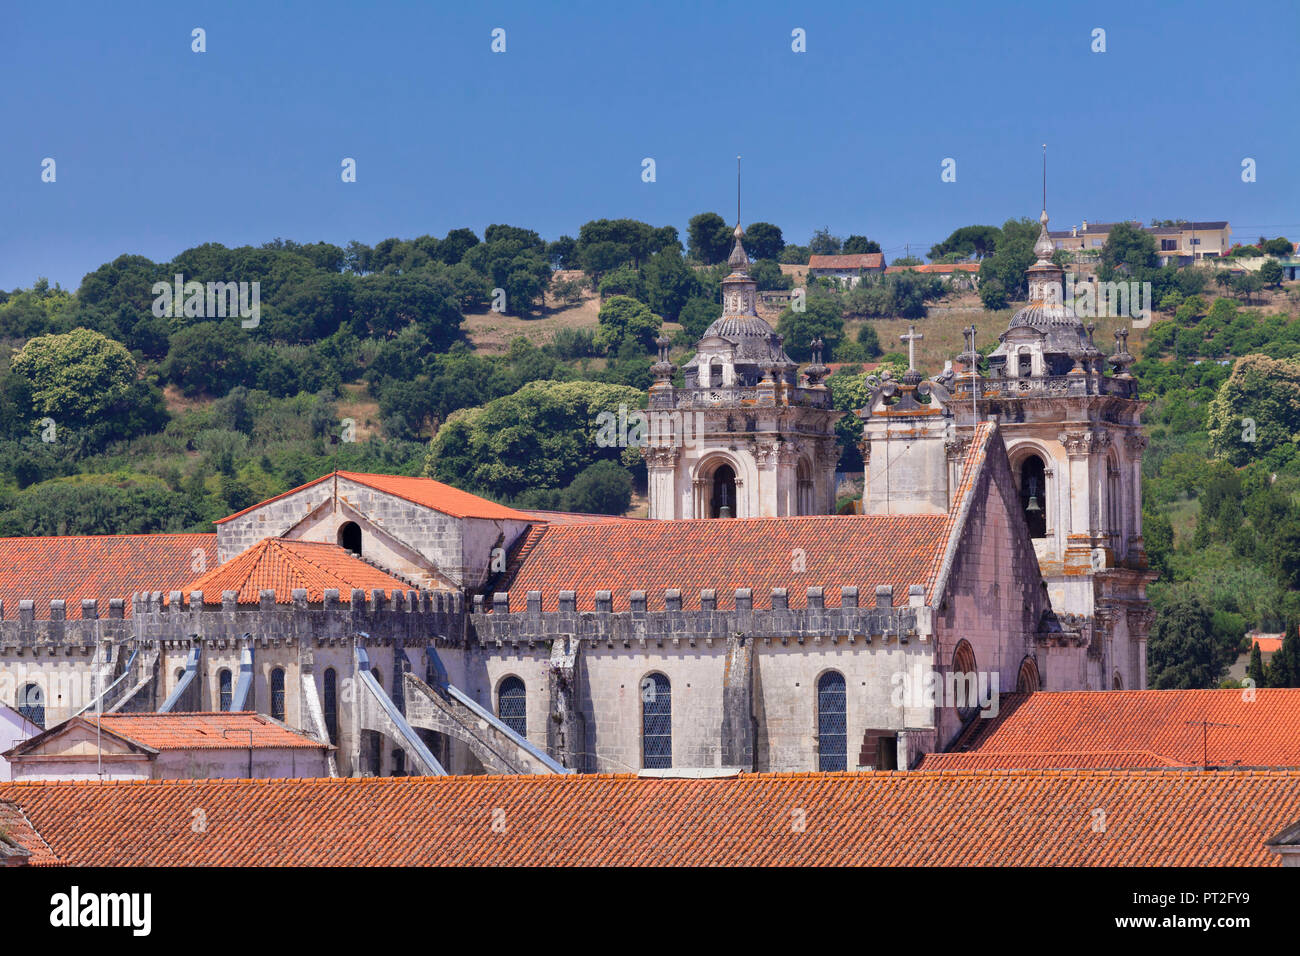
(656, 722)
(723, 504)
(224, 689)
(965, 681)
(332, 704)
(31, 703)
(277, 693)
(512, 702)
(832, 723)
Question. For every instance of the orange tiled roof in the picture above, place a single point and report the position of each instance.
(757, 553)
(420, 491)
(104, 566)
(1264, 732)
(18, 831)
(573, 517)
(281, 564)
(1017, 760)
(205, 731)
(865, 260)
(980, 818)
(1268, 643)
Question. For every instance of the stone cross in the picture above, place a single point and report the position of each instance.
(911, 339)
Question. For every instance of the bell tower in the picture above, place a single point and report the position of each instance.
(743, 437)
(1074, 438)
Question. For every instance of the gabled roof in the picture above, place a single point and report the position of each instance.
(421, 491)
(282, 564)
(102, 566)
(236, 730)
(1259, 732)
(864, 260)
(16, 834)
(757, 553)
(1008, 818)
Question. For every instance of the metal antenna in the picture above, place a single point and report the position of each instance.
(1044, 177)
(1205, 732)
(737, 190)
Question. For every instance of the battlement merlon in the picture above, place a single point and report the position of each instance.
(882, 623)
(59, 633)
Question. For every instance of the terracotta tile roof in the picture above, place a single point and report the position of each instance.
(1264, 732)
(281, 564)
(1019, 760)
(420, 491)
(757, 553)
(937, 268)
(73, 567)
(16, 830)
(206, 731)
(865, 260)
(1268, 643)
(1032, 818)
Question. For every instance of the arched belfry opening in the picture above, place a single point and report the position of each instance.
(350, 537)
(1033, 495)
(722, 499)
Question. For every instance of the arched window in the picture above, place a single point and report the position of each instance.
(715, 372)
(350, 537)
(965, 681)
(656, 722)
(1114, 502)
(722, 501)
(277, 693)
(332, 704)
(1033, 495)
(31, 703)
(1024, 363)
(225, 689)
(379, 678)
(832, 723)
(1027, 679)
(1117, 682)
(512, 702)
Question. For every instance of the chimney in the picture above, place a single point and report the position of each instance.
(1074, 232)
(1085, 225)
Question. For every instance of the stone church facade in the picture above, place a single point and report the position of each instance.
(420, 629)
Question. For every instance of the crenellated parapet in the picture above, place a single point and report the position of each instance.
(408, 618)
(22, 632)
(497, 623)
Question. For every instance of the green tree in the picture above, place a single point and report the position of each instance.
(1284, 668)
(541, 436)
(206, 358)
(1256, 410)
(623, 318)
(824, 244)
(77, 377)
(602, 488)
(763, 240)
(669, 282)
(1183, 653)
(860, 245)
(1270, 273)
(1128, 246)
(709, 239)
(1255, 669)
(822, 317)
(697, 315)
(978, 241)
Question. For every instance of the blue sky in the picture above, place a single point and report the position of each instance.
(159, 148)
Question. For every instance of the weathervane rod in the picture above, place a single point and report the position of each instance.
(1044, 177)
(737, 190)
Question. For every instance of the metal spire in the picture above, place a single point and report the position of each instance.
(1044, 179)
(737, 191)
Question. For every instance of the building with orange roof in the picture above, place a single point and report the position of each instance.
(1210, 729)
(420, 629)
(172, 746)
(964, 819)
